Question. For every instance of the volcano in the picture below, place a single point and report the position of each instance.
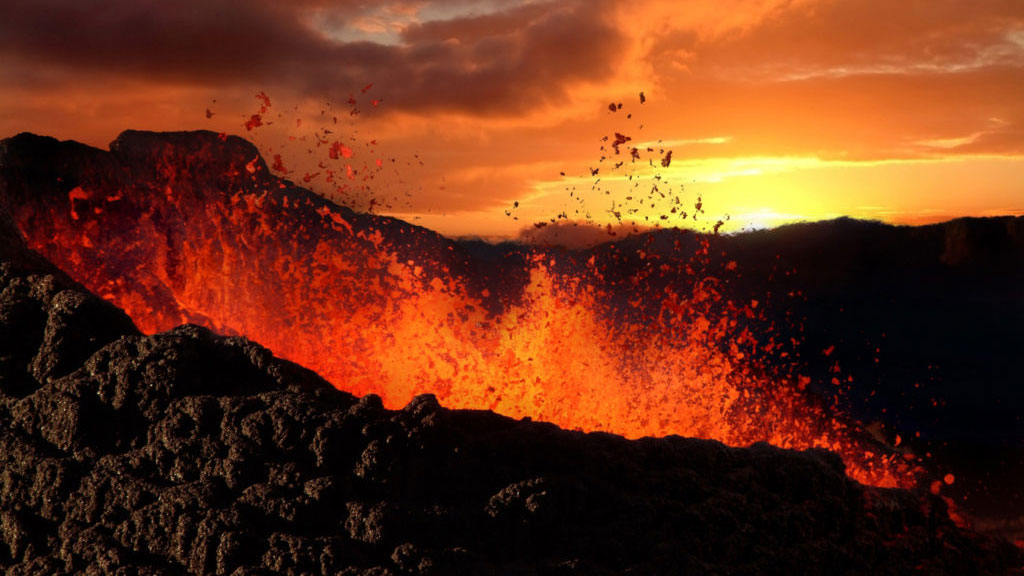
(667, 333)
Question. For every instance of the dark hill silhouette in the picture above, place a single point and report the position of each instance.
(928, 321)
(941, 304)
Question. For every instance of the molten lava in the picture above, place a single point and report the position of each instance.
(192, 228)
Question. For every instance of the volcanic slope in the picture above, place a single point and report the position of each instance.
(186, 452)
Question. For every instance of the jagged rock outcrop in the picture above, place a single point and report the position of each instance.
(186, 452)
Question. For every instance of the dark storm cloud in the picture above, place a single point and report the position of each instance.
(222, 40)
(505, 61)
(513, 60)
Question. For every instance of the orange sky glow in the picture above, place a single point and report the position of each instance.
(774, 111)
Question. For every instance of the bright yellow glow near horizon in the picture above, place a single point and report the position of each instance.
(762, 192)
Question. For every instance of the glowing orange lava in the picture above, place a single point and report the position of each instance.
(377, 306)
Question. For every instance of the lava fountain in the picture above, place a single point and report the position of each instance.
(192, 227)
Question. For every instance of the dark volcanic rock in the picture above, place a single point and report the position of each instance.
(186, 452)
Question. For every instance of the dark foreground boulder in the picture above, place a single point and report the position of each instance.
(189, 453)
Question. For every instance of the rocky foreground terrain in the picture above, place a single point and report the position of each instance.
(190, 453)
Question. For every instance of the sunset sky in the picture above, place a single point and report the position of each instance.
(909, 111)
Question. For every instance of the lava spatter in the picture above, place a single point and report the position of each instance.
(379, 306)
